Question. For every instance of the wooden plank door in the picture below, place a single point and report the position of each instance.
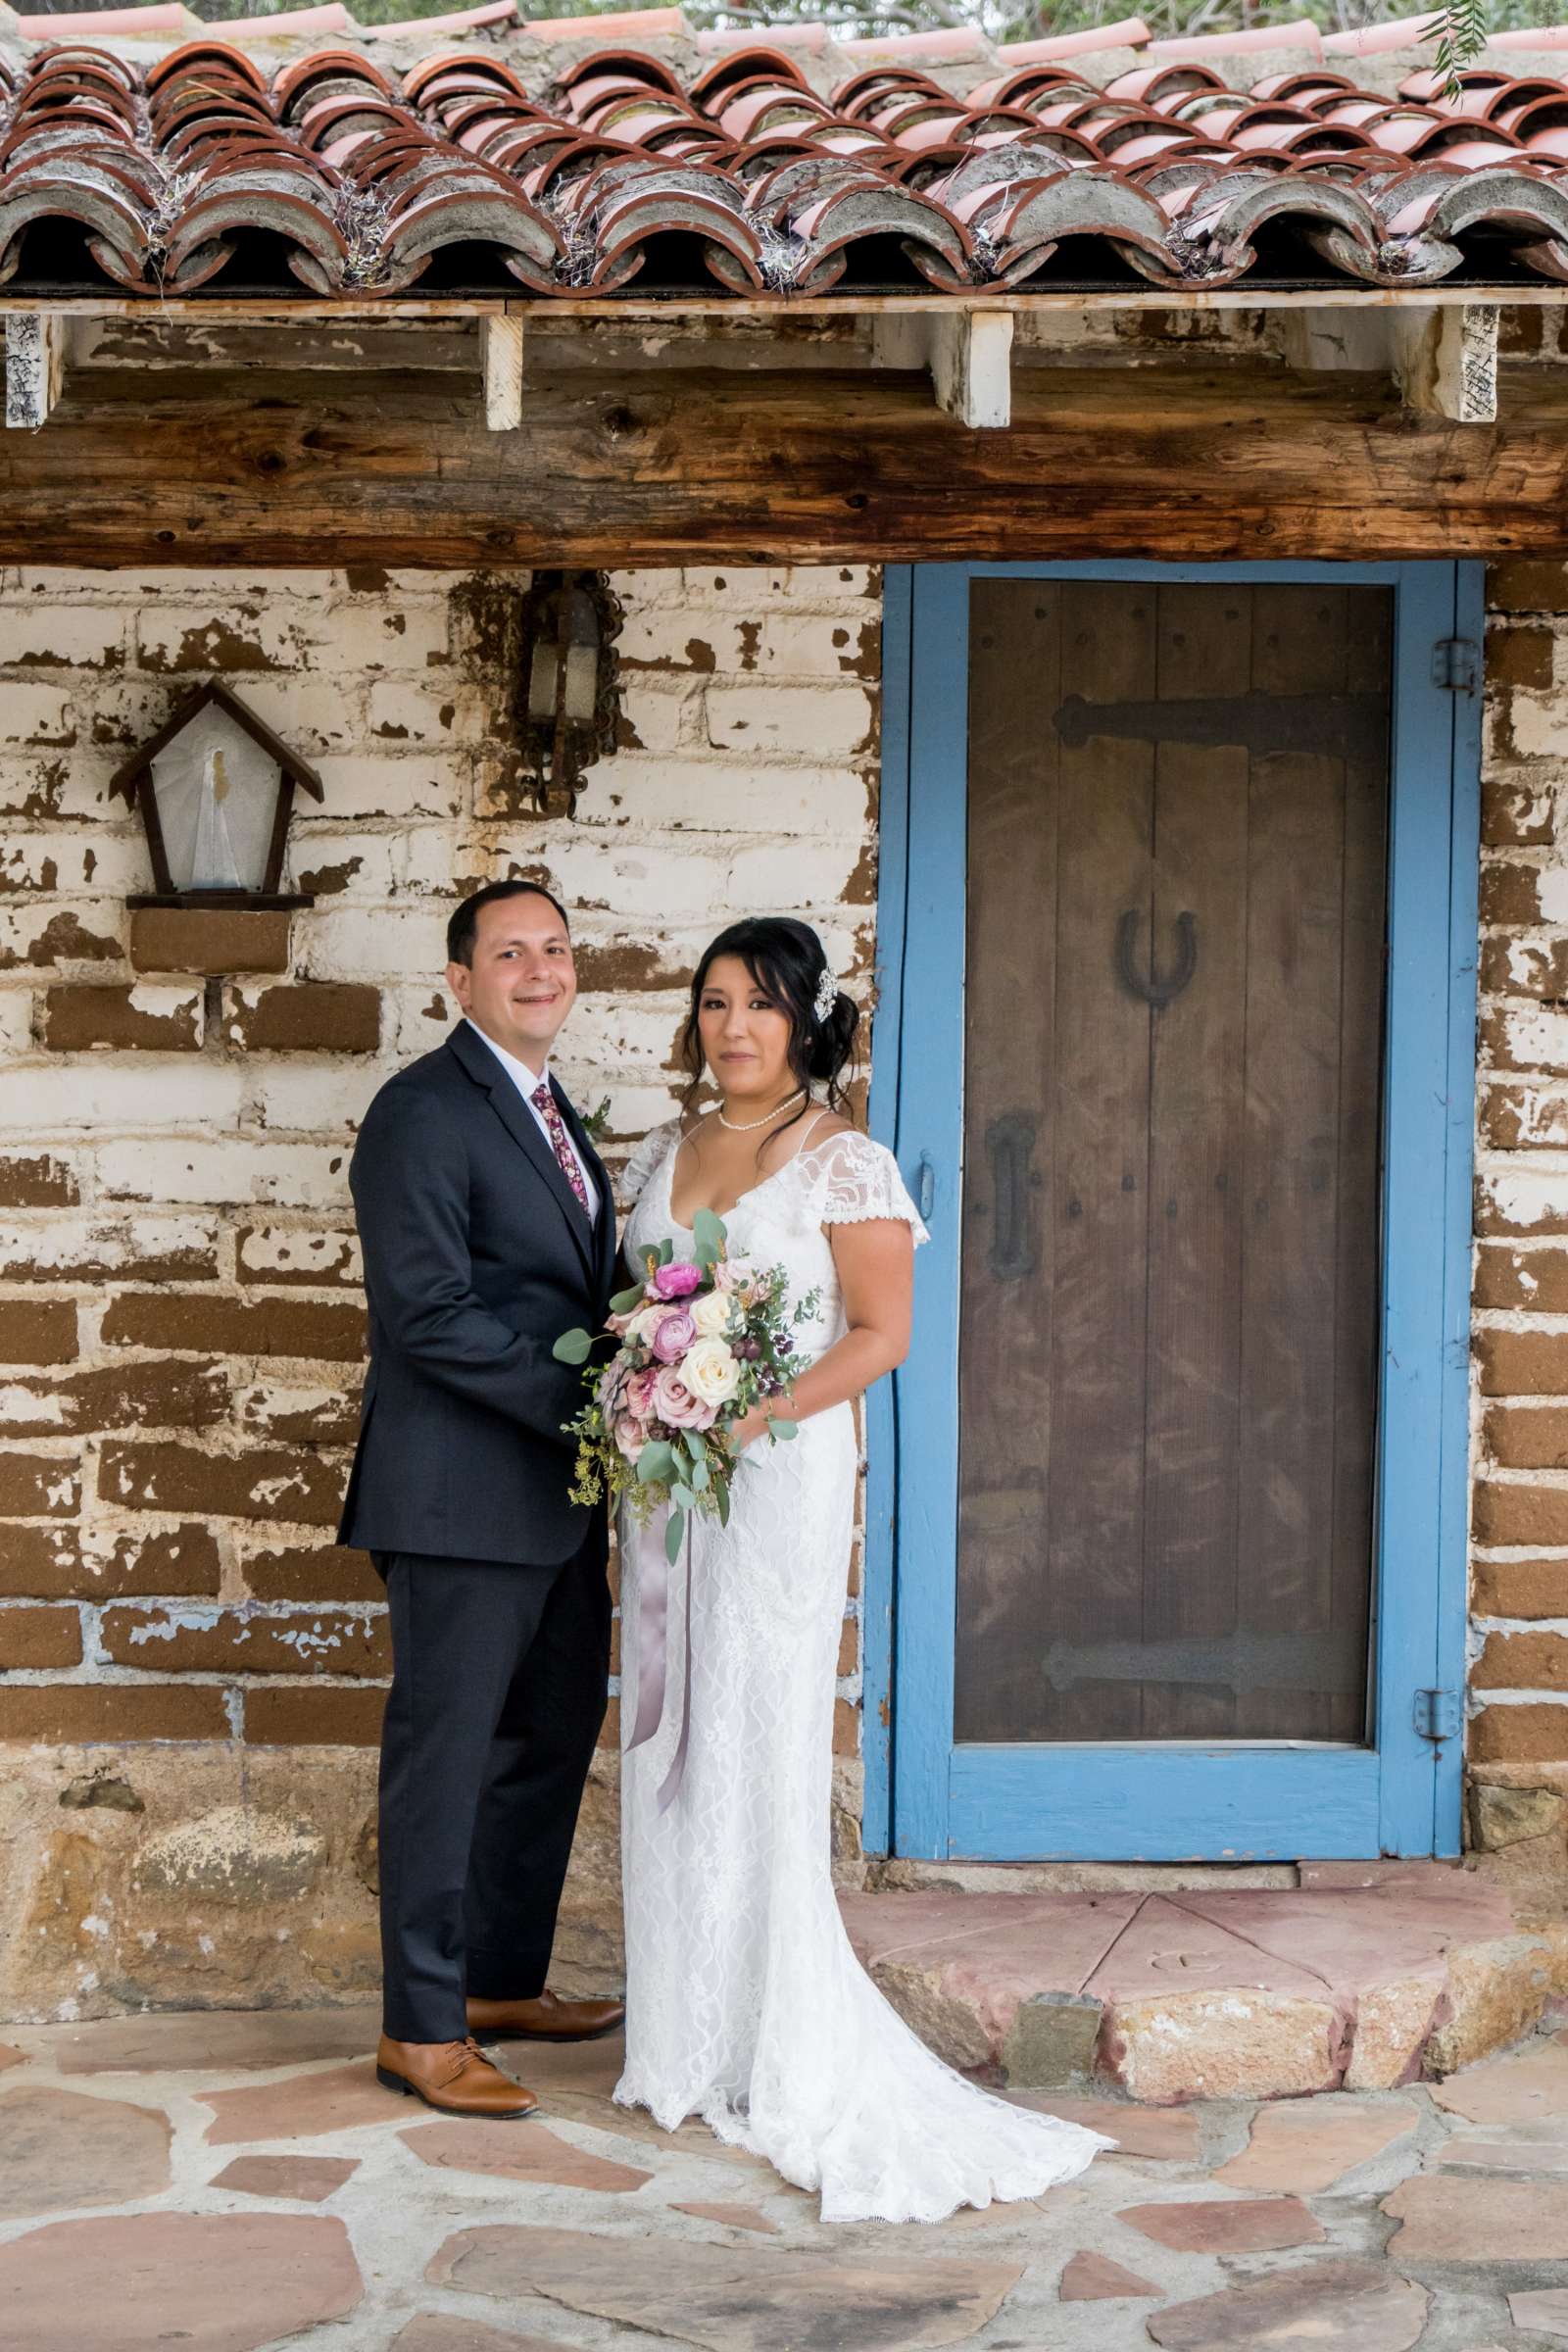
(1178, 802)
(1175, 1043)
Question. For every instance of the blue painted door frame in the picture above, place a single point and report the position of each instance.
(1179, 1800)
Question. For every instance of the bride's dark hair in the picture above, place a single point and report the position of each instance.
(786, 961)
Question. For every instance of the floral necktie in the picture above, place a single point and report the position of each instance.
(549, 1109)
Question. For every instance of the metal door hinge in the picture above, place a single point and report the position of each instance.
(1457, 665)
(1438, 1714)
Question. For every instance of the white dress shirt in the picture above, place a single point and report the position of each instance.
(525, 1081)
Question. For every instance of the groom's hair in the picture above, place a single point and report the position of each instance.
(463, 927)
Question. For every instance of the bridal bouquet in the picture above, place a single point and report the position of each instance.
(699, 1341)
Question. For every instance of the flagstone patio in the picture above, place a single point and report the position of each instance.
(235, 2183)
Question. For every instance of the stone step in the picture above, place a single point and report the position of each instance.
(1361, 1978)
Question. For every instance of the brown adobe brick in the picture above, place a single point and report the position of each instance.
(38, 1486)
(1516, 814)
(37, 1331)
(106, 1258)
(40, 1563)
(1509, 1515)
(1495, 1044)
(162, 1396)
(322, 1260)
(1527, 584)
(1525, 968)
(75, 1020)
(1522, 1119)
(1510, 892)
(37, 1181)
(1523, 1363)
(1535, 1661)
(210, 940)
(1522, 1436)
(310, 1328)
(308, 1642)
(71, 1713)
(1525, 1735)
(332, 1420)
(292, 1715)
(261, 1483)
(1520, 1589)
(39, 1638)
(1516, 657)
(311, 1573)
(1493, 1217)
(846, 1728)
(324, 1016)
(849, 1645)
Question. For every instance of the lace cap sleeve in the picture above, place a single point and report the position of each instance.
(644, 1159)
(859, 1181)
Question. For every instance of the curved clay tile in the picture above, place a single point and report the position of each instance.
(1123, 32)
(461, 69)
(745, 65)
(327, 69)
(633, 63)
(208, 58)
(1148, 85)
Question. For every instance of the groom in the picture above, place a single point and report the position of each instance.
(488, 1230)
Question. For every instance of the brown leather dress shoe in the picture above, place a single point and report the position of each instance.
(454, 2078)
(547, 2018)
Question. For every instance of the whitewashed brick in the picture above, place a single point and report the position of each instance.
(310, 714)
(1536, 1038)
(1538, 722)
(297, 1251)
(708, 795)
(70, 862)
(816, 721)
(357, 865)
(815, 874)
(681, 637)
(405, 712)
(33, 712)
(34, 635)
(16, 1020)
(149, 1091)
(83, 937)
(59, 1245)
(385, 783)
(818, 644)
(181, 1169)
(659, 719)
(353, 943)
(650, 879)
(610, 1032)
(325, 1096)
(406, 634)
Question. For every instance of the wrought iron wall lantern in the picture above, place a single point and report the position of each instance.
(568, 689)
(216, 790)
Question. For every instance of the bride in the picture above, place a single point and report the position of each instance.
(746, 2005)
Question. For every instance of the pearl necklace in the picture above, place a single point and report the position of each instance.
(749, 1126)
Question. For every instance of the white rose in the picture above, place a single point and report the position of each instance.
(710, 1315)
(711, 1371)
(646, 1321)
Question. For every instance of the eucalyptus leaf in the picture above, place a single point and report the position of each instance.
(625, 1302)
(667, 1250)
(573, 1347)
(656, 1463)
(681, 1495)
(701, 1477)
(674, 1535)
(785, 1429)
(694, 1444)
(707, 1238)
(721, 1497)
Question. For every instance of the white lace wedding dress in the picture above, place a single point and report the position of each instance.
(746, 2005)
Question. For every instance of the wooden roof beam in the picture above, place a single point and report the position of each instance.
(969, 355)
(1444, 358)
(35, 366)
(500, 352)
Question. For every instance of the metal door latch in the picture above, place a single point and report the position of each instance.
(1439, 1715)
(1457, 665)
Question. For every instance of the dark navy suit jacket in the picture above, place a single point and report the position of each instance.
(477, 1256)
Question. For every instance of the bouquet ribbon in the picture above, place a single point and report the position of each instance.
(652, 1645)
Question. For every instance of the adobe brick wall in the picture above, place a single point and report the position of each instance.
(180, 1313)
(1518, 1702)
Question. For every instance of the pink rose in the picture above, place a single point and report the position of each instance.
(630, 1435)
(639, 1394)
(677, 1279)
(674, 1403)
(732, 1273)
(674, 1335)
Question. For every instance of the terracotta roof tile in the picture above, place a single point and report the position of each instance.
(585, 156)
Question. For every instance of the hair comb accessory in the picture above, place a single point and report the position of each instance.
(827, 989)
